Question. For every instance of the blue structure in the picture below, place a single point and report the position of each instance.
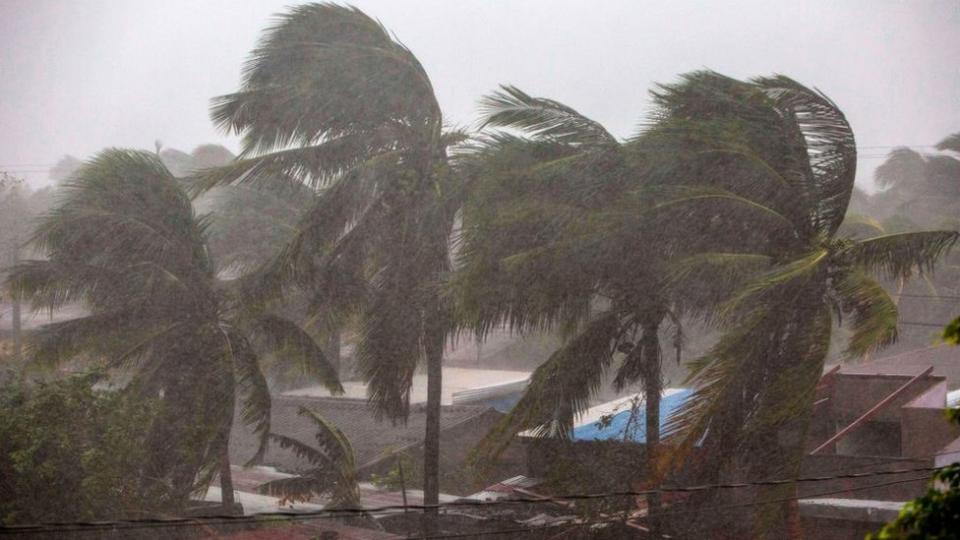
(594, 431)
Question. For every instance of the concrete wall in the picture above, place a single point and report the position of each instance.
(924, 429)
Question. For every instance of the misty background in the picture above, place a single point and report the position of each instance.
(80, 76)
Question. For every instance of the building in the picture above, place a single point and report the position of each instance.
(376, 443)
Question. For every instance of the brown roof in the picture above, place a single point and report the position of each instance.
(944, 359)
(372, 440)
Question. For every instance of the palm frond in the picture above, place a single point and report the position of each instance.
(302, 450)
(315, 165)
(861, 226)
(255, 392)
(899, 255)
(97, 334)
(769, 288)
(874, 323)
(561, 388)
(512, 108)
(333, 469)
(389, 347)
(701, 282)
(825, 147)
(321, 71)
(331, 441)
(292, 343)
(693, 200)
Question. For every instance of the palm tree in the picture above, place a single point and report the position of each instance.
(755, 387)
(568, 227)
(922, 185)
(333, 472)
(124, 241)
(534, 256)
(331, 100)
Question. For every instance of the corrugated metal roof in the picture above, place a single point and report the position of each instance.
(612, 420)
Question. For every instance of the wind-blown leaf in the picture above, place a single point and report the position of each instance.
(252, 385)
(825, 148)
(874, 323)
(333, 469)
(291, 342)
(542, 118)
(561, 387)
(364, 78)
(899, 255)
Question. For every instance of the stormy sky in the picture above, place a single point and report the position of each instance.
(77, 76)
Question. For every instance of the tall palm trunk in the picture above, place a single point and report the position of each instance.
(16, 324)
(434, 337)
(226, 480)
(652, 389)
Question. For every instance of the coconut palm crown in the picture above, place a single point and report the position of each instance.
(124, 242)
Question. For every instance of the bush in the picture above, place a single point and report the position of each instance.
(69, 452)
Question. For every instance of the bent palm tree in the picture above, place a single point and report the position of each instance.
(755, 387)
(329, 99)
(125, 242)
(568, 227)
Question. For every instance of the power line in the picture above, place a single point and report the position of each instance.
(920, 323)
(697, 510)
(318, 514)
(931, 296)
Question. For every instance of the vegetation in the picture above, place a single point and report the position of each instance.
(352, 207)
(592, 229)
(69, 452)
(125, 243)
(330, 100)
(332, 472)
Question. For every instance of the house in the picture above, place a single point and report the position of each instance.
(878, 416)
(614, 429)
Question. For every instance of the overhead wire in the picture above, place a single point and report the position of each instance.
(698, 510)
(343, 512)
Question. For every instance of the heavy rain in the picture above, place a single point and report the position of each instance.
(480, 270)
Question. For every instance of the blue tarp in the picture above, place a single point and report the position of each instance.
(618, 423)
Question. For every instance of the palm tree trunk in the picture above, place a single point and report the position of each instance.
(226, 480)
(332, 350)
(652, 389)
(431, 443)
(17, 329)
(16, 323)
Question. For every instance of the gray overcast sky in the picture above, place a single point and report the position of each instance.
(77, 76)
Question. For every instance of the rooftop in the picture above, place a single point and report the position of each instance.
(616, 416)
(372, 440)
(944, 359)
(456, 381)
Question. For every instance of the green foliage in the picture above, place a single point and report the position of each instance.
(124, 242)
(951, 334)
(69, 452)
(332, 470)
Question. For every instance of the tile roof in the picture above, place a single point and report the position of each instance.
(372, 440)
